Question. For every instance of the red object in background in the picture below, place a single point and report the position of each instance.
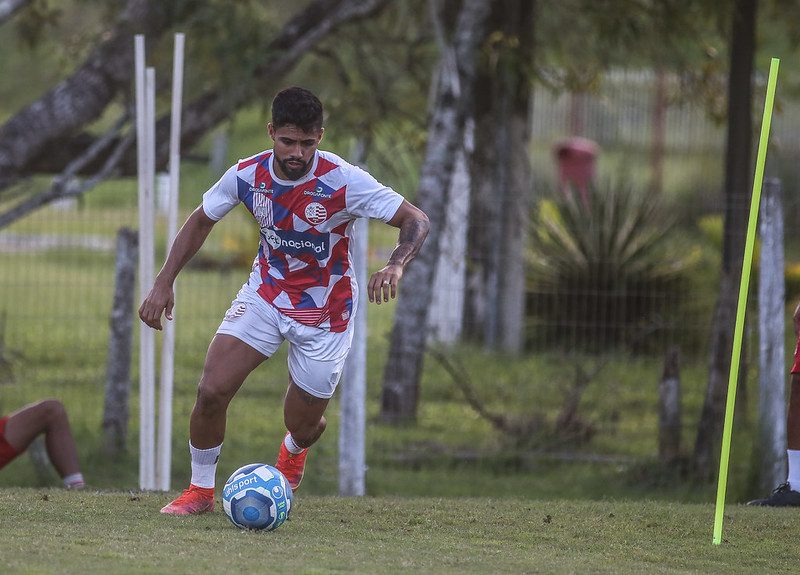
(576, 159)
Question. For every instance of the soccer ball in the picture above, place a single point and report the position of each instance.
(257, 496)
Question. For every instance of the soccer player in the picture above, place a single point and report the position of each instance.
(302, 287)
(48, 417)
(785, 495)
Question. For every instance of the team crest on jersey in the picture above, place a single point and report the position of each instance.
(316, 213)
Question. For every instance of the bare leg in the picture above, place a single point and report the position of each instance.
(303, 415)
(793, 415)
(47, 416)
(228, 363)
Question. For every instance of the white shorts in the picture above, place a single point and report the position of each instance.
(316, 356)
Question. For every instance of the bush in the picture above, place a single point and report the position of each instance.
(606, 275)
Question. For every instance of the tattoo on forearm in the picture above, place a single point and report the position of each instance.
(409, 242)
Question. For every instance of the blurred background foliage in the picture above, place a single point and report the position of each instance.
(375, 78)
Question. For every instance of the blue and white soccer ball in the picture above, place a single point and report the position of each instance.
(257, 496)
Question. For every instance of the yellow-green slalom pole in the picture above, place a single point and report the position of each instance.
(743, 288)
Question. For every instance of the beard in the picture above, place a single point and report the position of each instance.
(296, 172)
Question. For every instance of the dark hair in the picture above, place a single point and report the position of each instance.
(298, 107)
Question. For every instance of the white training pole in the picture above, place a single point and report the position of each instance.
(148, 248)
(146, 207)
(164, 457)
(353, 388)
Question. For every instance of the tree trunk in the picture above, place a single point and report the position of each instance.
(453, 102)
(120, 344)
(499, 218)
(737, 202)
(81, 98)
(446, 311)
(9, 7)
(45, 136)
(770, 449)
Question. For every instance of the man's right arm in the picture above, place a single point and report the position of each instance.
(188, 241)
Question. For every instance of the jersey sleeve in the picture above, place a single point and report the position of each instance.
(368, 198)
(223, 196)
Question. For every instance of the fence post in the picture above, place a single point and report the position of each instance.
(42, 467)
(669, 409)
(120, 344)
(353, 390)
(771, 368)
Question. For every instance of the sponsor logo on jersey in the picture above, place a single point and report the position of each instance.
(316, 213)
(262, 188)
(295, 243)
(318, 192)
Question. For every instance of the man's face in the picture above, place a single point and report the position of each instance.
(294, 150)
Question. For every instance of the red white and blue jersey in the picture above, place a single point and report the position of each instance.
(303, 266)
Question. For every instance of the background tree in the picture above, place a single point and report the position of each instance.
(737, 201)
(9, 7)
(49, 135)
(583, 37)
(451, 108)
(501, 177)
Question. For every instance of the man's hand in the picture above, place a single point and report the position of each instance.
(413, 225)
(161, 299)
(383, 283)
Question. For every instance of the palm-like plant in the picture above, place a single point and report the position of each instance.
(606, 274)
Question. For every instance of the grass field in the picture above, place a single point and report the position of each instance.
(53, 531)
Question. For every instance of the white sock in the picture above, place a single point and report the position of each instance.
(288, 441)
(204, 465)
(74, 481)
(793, 455)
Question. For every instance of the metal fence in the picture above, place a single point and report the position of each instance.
(56, 266)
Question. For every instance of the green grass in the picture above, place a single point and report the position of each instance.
(54, 531)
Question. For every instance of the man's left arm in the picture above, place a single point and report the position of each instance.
(414, 226)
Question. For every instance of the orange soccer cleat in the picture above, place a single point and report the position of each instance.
(292, 465)
(193, 500)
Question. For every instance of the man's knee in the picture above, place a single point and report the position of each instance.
(52, 411)
(212, 397)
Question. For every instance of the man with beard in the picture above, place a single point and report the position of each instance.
(302, 287)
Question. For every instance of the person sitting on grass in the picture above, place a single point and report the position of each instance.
(48, 417)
